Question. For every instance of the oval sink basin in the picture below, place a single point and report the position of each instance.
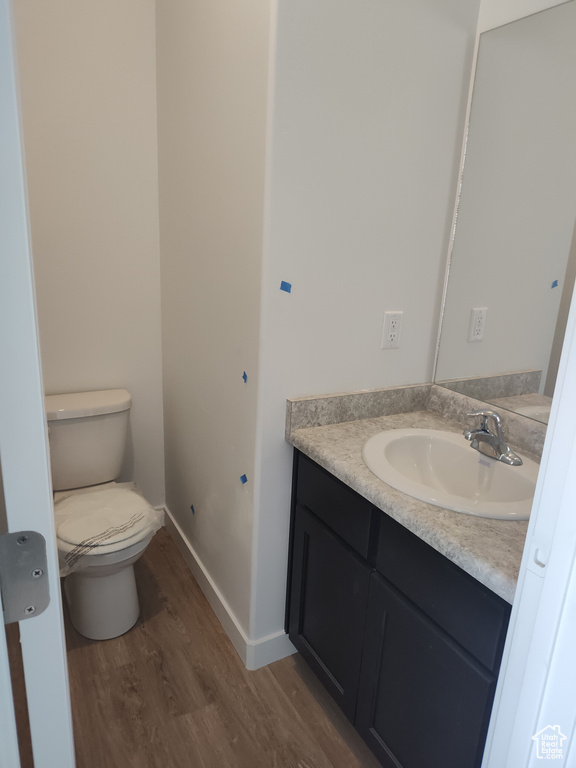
(442, 468)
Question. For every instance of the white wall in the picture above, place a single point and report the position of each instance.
(87, 76)
(494, 13)
(212, 85)
(365, 117)
(368, 114)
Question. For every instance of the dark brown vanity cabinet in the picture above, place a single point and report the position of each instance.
(408, 644)
(330, 580)
(328, 607)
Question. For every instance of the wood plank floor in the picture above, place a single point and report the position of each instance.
(173, 693)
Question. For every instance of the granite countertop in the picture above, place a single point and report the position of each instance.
(489, 550)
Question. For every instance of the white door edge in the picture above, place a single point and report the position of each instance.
(23, 439)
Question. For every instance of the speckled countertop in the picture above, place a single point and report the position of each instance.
(489, 550)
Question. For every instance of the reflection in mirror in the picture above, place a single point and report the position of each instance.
(513, 259)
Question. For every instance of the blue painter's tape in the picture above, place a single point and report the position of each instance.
(554, 284)
(284, 286)
(243, 479)
(192, 508)
(244, 377)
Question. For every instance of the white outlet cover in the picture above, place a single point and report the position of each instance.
(477, 322)
(391, 330)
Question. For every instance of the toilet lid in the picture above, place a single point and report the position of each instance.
(103, 518)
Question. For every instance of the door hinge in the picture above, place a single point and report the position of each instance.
(23, 575)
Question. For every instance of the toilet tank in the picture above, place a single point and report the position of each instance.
(87, 434)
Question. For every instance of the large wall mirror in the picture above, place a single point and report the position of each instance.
(513, 257)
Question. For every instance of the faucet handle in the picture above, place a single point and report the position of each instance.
(485, 415)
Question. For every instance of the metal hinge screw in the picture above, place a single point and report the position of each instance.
(23, 577)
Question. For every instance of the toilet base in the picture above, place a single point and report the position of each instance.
(102, 606)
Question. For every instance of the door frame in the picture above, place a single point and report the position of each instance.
(23, 436)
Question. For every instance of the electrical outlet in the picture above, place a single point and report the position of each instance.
(391, 330)
(477, 322)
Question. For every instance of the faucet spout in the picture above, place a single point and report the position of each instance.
(490, 443)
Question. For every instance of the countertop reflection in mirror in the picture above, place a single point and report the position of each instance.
(514, 249)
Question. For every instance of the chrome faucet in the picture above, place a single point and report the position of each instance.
(490, 443)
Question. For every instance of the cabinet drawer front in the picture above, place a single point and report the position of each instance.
(335, 504)
(464, 608)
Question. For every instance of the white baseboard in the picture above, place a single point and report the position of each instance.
(254, 653)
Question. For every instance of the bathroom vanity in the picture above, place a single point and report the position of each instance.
(400, 608)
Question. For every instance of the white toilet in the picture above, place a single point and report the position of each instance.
(102, 527)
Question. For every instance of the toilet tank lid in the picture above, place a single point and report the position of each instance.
(75, 405)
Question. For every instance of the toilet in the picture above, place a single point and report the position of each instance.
(102, 527)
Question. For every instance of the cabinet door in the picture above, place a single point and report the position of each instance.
(328, 598)
(423, 701)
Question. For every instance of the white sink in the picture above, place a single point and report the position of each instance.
(443, 469)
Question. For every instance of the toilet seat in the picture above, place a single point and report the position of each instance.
(100, 563)
(103, 529)
(101, 522)
(98, 549)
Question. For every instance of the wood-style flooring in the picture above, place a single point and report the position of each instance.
(173, 693)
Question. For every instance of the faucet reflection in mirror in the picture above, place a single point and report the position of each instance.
(514, 247)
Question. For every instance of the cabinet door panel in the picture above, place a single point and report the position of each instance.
(328, 607)
(423, 701)
(473, 615)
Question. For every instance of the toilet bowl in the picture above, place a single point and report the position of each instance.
(100, 533)
(102, 527)
(102, 597)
